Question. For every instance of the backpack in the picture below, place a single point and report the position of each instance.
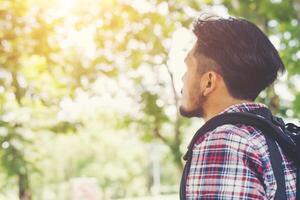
(274, 129)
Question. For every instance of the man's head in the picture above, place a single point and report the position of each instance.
(232, 58)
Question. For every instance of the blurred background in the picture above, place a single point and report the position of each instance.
(89, 91)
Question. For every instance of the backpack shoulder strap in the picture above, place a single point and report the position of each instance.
(275, 156)
(277, 166)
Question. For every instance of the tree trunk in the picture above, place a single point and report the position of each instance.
(175, 148)
(24, 188)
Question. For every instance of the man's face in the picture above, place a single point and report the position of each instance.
(192, 99)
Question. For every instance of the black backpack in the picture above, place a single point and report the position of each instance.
(287, 137)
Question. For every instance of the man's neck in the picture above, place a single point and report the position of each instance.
(214, 108)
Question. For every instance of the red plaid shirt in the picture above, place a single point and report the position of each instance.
(233, 162)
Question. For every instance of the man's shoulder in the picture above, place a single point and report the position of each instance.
(239, 134)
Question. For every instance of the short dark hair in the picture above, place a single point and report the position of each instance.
(247, 60)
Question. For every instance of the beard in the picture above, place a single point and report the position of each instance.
(191, 113)
(197, 112)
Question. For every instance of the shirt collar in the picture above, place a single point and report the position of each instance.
(243, 107)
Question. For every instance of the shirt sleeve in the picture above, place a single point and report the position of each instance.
(225, 166)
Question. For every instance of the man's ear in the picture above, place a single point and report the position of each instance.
(208, 83)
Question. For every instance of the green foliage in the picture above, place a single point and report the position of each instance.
(152, 109)
(115, 159)
(296, 106)
(12, 141)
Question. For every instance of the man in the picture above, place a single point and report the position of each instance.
(231, 62)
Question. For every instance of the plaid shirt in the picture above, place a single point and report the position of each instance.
(233, 162)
